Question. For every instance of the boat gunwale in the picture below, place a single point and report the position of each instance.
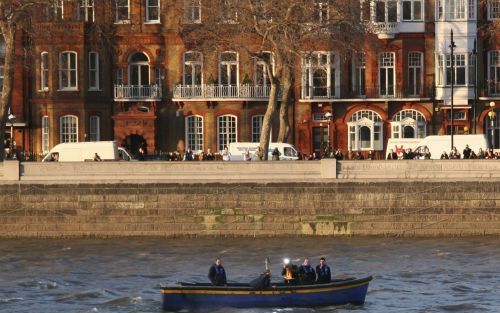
(315, 287)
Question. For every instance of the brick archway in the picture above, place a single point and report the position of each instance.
(135, 122)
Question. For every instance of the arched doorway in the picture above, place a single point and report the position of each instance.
(133, 142)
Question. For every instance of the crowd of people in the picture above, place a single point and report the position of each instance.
(292, 274)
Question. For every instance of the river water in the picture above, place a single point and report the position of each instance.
(125, 275)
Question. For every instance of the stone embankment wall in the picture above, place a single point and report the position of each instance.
(333, 208)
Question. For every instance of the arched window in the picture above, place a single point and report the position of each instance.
(365, 131)
(68, 128)
(257, 121)
(194, 133)
(139, 69)
(227, 130)
(408, 124)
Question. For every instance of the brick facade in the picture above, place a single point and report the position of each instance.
(152, 55)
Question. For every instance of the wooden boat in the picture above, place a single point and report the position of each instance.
(200, 295)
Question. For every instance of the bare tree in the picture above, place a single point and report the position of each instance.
(287, 29)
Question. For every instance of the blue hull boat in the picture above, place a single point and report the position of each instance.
(202, 296)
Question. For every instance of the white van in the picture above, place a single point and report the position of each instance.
(288, 152)
(85, 151)
(438, 144)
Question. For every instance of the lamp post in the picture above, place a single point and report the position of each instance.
(328, 116)
(11, 118)
(452, 47)
(474, 52)
(492, 115)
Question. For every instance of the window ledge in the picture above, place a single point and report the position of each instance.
(43, 90)
(124, 22)
(152, 22)
(67, 89)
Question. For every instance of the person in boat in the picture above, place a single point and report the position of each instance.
(324, 276)
(217, 273)
(306, 274)
(289, 272)
(262, 282)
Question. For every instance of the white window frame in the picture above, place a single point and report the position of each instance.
(226, 123)
(493, 9)
(192, 11)
(118, 7)
(257, 122)
(44, 71)
(261, 77)
(325, 61)
(408, 118)
(412, 8)
(2, 77)
(153, 6)
(139, 64)
(119, 76)
(452, 10)
(94, 128)
(370, 119)
(461, 63)
(192, 65)
(59, 10)
(494, 72)
(68, 70)
(194, 132)
(359, 74)
(386, 62)
(68, 128)
(226, 66)
(321, 11)
(94, 72)
(86, 12)
(45, 134)
(229, 11)
(386, 11)
(415, 63)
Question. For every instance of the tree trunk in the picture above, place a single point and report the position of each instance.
(9, 33)
(268, 117)
(286, 83)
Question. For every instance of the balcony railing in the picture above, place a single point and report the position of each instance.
(221, 92)
(144, 93)
(312, 92)
(386, 29)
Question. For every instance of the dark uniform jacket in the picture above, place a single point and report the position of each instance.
(324, 274)
(307, 275)
(217, 275)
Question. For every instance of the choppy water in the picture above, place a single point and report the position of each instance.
(125, 275)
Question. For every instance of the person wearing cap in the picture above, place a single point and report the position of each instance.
(217, 273)
(324, 276)
(306, 275)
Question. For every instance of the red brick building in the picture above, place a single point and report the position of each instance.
(123, 73)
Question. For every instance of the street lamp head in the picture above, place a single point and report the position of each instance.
(11, 117)
(492, 104)
(491, 114)
(328, 115)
